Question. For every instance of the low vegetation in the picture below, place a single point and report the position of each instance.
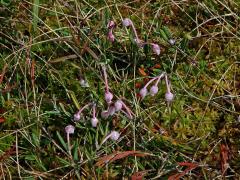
(119, 89)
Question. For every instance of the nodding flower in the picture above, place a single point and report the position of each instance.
(69, 129)
(168, 96)
(120, 105)
(110, 36)
(94, 120)
(111, 110)
(126, 23)
(111, 25)
(114, 135)
(154, 89)
(83, 83)
(143, 92)
(156, 48)
(172, 41)
(77, 115)
(105, 114)
(107, 95)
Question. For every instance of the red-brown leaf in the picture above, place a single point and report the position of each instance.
(33, 70)
(138, 175)
(189, 164)
(118, 155)
(224, 157)
(2, 119)
(177, 176)
(142, 72)
(138, 85)
(7, 153)
(3, 73)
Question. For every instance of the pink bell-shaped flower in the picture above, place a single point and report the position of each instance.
(156, 48)
(69, 129)
(143, 92)
(118, 105)
(94, 122)
(127, 22)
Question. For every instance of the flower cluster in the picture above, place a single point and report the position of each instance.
(111, 25)
(154, 88)
(118, 105)
(155, 47)
(128, 23)
(69, 129)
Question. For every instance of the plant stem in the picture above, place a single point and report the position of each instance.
(150, 81)
(135, 33)
(105, 78)
(128, 110)
(94, 110)
(167, 84)
(69, 145)
(159, 78)
(84, 107)
(105, 139)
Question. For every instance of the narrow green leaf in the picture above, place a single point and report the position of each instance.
(63, 161)
(35, 14)
(75, 151)
(163, 35)
(62, 141)
(64, 110)
(73, 96)
(30, 157)
(167, 32)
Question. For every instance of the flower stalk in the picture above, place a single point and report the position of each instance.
(111, 25)
(69, 130)
(94, 120)
(114, 135)
(77, 115)
(107, 95)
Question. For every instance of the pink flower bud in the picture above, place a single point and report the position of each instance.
(111, 110)
(114, 135)
(156, 48)
(118, 105)
(94, 122)
(84, 83)
(127, 22)
(108, 97)
(143, 92)
(69, 129)
(172, 41)
(169, 96)
(76, 117)
(104, 114)
(111, 24)
(110, 36)
(153, 90)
